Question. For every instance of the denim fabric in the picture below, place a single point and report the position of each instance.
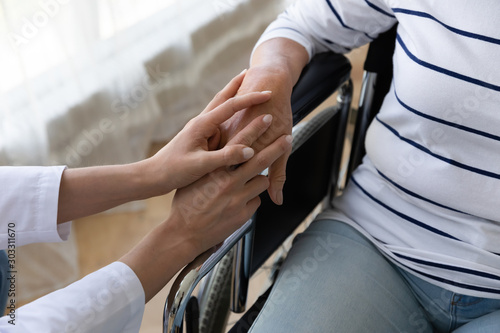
(451, 312)
(4, 283)
(335, 280)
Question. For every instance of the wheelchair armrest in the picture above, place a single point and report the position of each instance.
(319, 79)
(323, 76)
(191, 275)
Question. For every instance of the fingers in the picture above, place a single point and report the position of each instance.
(250, 196)
(277, 177)
(226, 93)
(248, 135)
(266, 157)
(227, 109)
(251, 207)
(213, 141)
(235, 154)
(228, 156)
(237, 150)
(255, 187)
(252, 131)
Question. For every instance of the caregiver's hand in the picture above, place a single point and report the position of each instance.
(193, 152)
(187, 157)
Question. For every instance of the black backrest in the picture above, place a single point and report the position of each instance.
(378, 61)
(319, 79)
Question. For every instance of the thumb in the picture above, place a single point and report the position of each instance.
(277, 178)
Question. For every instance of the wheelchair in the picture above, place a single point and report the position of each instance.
(316, 172)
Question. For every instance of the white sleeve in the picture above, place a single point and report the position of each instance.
(108, 300)
(28, 205)
(336, 25)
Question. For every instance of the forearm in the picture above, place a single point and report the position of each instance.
(87, 191)
(160, 255)
(281, 58)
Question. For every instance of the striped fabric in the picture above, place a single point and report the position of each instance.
(428, 192)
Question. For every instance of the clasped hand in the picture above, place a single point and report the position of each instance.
(214, 198)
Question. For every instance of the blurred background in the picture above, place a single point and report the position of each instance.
(93, 82)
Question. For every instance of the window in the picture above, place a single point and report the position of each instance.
(65, 63)
(36, 35)
(117, 15)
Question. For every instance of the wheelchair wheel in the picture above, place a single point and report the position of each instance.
(215, 297)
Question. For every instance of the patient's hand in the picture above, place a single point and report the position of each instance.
(259, 79)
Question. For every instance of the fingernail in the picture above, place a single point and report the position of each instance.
(267, 92)
(267, 118)
(279, 197)
(289, 138)
(247, 153)
(243, 71)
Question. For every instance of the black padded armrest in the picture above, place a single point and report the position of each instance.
(320, 78)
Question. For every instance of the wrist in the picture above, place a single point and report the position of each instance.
(183, 240)
(281, 57)
(264, 77)
(150, 179)
(159, 256)
(178, 223)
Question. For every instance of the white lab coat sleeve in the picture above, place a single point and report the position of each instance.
(108, 300)
(28, 205)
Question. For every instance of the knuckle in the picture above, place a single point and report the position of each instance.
(279, 179)
(191, 122)
(262, 161)
(232, 101)
(229, 155)
(225, 186)
(234, 204)
(218, 95)
(243, 139)
(260, 143)
(223, 180)
(265, 182)
(284, 145)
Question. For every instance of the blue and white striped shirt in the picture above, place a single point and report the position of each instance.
(428, 192)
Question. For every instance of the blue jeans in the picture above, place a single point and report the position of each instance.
(335, 280)
(4, 283)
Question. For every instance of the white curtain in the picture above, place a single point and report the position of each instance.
(87, 82)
